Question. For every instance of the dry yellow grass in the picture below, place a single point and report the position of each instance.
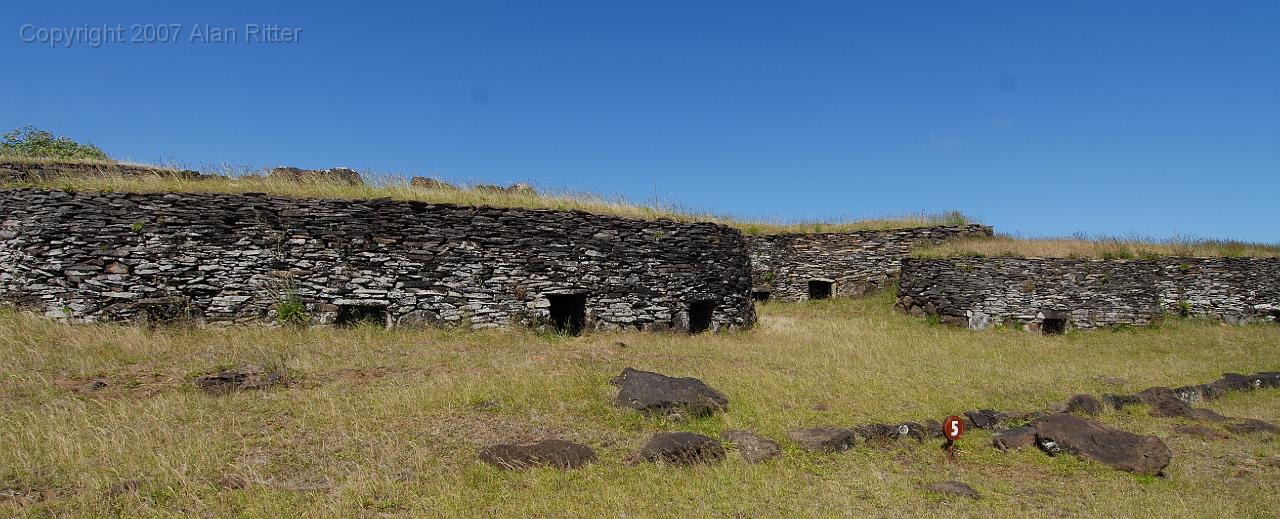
(387, 423)
(1103, 248)
(398, 188)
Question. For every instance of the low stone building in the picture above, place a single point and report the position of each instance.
(1053, 295)
(221, 258)
(798, 267)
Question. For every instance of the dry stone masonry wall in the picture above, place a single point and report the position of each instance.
(1055, 294)
(797, 267)
(251, 258)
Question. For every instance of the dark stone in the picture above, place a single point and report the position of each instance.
(825, 439)
(752, 447)
(546, 453)
(1251, 426)
(1086, 404)
(1014, 439)
(1268, 378)
(1118, 402)
(984, 418)
(240, 379)
(655, 393)
(1236, 382)
(1090, 440)
(1200, 431)
(883, 434)
(1163, 402)
(679, 448)
(94, 385)
(431, 183)
(333, 175)
(953, 488)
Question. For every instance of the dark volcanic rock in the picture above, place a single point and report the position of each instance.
(1200, 431)
(953, 488)
(655, 393)
(1086, 404)
(240, 379)
(332, 175)
(1163, 402)
(1014, 439)
(752, 447)
(679, 448)
(883, 434)
(546, 453)
(825, 439)
(1251, 426)
(984, 418)
(1118, 402)
(1090, 440)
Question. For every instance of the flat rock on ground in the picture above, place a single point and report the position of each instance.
(1091, 440)
(1013, 439)
(1200, 431)
(1165, 403)
(239, 379)
(825, 439)
(752, 447)
(1084, 404)
(679, 448)
(953, 488)
(655, 393)
(546, 453)
(1251, 426)
(984, 418)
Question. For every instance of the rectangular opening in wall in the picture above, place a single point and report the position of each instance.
(760, 296)
(820, 288)
(568, 312)
(1054, 323)
(356, 315)
(701, 315)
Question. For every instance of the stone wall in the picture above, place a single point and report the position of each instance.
(1043, 293)
(244, 258)
(35, 171)
(855, 263)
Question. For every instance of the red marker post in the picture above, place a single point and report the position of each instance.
(952, 430)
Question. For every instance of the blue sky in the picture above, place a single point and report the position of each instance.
(1158, 118)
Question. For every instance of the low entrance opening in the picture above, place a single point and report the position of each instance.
(700, 316)
(356, 315)
(820, 289)
(1055, 322)
(760, 296)
(568, 312)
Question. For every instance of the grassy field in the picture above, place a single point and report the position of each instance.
(397, 187)
(377, 422)
(1100, 248)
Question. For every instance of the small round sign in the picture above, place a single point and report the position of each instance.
(953, 428)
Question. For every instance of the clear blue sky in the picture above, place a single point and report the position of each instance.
(1160, 117)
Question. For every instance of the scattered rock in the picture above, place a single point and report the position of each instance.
(679, 448)
(1086, 404)
(94, 385)
(332, 175)
(953, 488)
(655, 393)
(239, 379)
(1163, 402)
(1200, 431)
(1090, 440)
(1237, 382)
(824, 439)
(1014, 439)
(1201, 414)
(431, 183)
(751, 447)
(1251, 426)
(124, 487)
(883, 434)
(1119, 402)
(1196, 394)
(560, 454)
(984, 418)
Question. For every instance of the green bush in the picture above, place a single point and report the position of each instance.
(30, 141)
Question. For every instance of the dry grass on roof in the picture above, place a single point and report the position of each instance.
(1099, 248)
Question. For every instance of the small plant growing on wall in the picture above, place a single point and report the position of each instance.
(137, 226)
(290, 309)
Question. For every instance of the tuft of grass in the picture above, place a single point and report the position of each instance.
(1099, 248)
(389, 421)
(228, 179)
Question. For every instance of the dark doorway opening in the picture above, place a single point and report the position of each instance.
(568, 312)
(356, 315)
(1055, 322)
(700, 316)
(760, 296)
(820, 289)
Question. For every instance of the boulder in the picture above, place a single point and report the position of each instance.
(431, 183)
(1084, 404)
(1119, 402)
(1251, 426)
(883, 434)
(751, 447)
(984, 418)
(546, 453)
(1014, 439)
(823, 439)
(239, 379)
(953, 488)
(679, 448)
(1163, 402)
(654, 393)
(1119, 449)
(343, 176)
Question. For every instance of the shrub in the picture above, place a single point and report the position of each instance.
(30, 141)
